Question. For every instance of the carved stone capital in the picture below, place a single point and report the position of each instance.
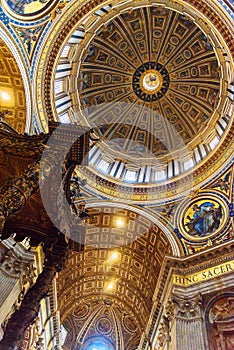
(188, 308)
(15, 267)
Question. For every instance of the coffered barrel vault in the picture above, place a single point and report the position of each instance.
(114, 279)
(12, 93)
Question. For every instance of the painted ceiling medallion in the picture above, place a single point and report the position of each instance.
(29, 9)
(203, 217)
(150, 81)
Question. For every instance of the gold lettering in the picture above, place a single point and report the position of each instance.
(222, 269)
(188, 280)
(195, 278)
(216, 269)
(209, 274)
(229, 267)
(204, 275)
(178, 279)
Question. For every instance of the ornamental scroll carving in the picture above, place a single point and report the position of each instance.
(165, 325)
(22, 145)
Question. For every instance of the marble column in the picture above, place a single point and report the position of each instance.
(187, 328)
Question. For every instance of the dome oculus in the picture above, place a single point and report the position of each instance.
(150, 81)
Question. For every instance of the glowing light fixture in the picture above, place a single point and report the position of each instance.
(119, 222)
(5, 96)
(115, 256)
(110, 286)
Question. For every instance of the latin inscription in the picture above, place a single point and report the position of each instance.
(204, 275)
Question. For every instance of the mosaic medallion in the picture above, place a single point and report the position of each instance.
(104, 326)
(130, 324)
(203, 217)
(81, 311)
(29, 9)
(150, 81)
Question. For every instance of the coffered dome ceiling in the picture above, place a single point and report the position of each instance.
(156, 58)
(148, 81)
